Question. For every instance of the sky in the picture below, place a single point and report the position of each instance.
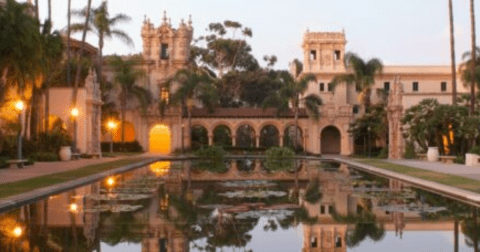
(399, 32)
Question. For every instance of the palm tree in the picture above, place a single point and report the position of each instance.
(452, 54)
(103, 26)
(291, 97)
(125, 76)
(194, 84)
(362, 76)
(472, 66)
(52, 55)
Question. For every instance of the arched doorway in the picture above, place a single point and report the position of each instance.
(289, 138)
(330, 140)
(269, 136)
(160, 139)
(198, 137)
(222, 136)
(245, 136)
(129, 132)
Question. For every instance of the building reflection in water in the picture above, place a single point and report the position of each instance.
(73, 219)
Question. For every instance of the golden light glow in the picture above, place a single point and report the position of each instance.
(165, 95)
(160, 168)
(160, 139)
(164, 203)
(17, 232)
(75, 112)
(129, 133)
(19, 105)
(110, 181)
(111, 125)
(73, 207)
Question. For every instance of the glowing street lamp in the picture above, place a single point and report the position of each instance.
(17, 232)
(19, 105)
(111, 126)
(74, 113)
(110, 181)
(73, 207)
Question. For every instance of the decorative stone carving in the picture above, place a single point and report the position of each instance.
(394, 114)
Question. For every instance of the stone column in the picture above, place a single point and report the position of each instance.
(257, 141)
(281, 141)
(210, 140)
(234, 140)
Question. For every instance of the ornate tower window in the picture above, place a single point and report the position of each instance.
(313, 55)
(338, 55)
(164, 95)
(164, 53)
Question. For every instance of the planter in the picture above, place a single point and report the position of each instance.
(432, 154)
(65, 153)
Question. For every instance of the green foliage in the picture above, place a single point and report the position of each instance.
(3, 162)
(459, 160)
(383, 153)
(374, 119)
(312, 193)
(409, 151)
(280, 159)
(44, 156)
(475, 150)
(211, 159)
(122, 147)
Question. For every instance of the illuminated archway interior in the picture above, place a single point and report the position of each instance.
(160, 139)
(161, 168)
(129, 132)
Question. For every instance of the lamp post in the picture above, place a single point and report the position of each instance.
(111, 126)
(74, 113)
(369, 145)
(19, 107)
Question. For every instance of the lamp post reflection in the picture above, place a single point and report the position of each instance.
(19, 107)
(112, 125)
(74, 113)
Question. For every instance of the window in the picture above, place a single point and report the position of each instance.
(314, 242)
(164, 52)
(338, 242)
(415, 86)
(356, 109)
(330, 87)
(313, 55)
(322, 209)
(358, 88)
(162, 244)
(164, 95)
(330, 209)
(322, 87)
(444, 86)
(386, 86)
(337, 55)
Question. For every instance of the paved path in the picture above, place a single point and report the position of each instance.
(454, 169)
(46, 168)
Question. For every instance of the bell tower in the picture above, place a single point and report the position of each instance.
(324, 51)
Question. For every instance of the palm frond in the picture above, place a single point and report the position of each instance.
(313, 103)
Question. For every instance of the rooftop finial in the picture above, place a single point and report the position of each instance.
(170, 21)
(190, 20)
(182, 22)
(164, 16)
(144, 18)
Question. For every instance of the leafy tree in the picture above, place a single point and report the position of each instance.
(280, 159)
(363, 75)
(375, 120)
(225, 54)
(102, 25)
(125, 76)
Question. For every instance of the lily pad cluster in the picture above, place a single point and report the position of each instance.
(113, 208)
(280, 214)
(253, 194)
(248, 183)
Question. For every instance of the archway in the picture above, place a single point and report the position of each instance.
(330, 140)
(245, 136)
(289, 138)
(198, 137)
(129, 132)
(269, 136)
(160, 139)
(222, 136)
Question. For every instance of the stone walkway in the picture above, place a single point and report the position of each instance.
(454, 169)
(46, 168)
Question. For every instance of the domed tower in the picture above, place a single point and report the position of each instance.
(324, 51)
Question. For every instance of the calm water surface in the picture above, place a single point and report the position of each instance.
(152, 209)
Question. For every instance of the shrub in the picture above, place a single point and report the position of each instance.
(44, 156)
(279, 158)
(3, 162)
(383, 153)
(475, 150)
(459, 160)
(122, 147)
(409, 151)
(211, 159)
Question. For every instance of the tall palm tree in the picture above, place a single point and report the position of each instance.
(362, 76)
(291, 95)
(452, 54)
(473, 57)
(101, 24)
(125, 76)
(194, 84)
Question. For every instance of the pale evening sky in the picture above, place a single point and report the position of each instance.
(405, 32)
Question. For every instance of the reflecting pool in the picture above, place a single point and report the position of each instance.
(171, 207)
